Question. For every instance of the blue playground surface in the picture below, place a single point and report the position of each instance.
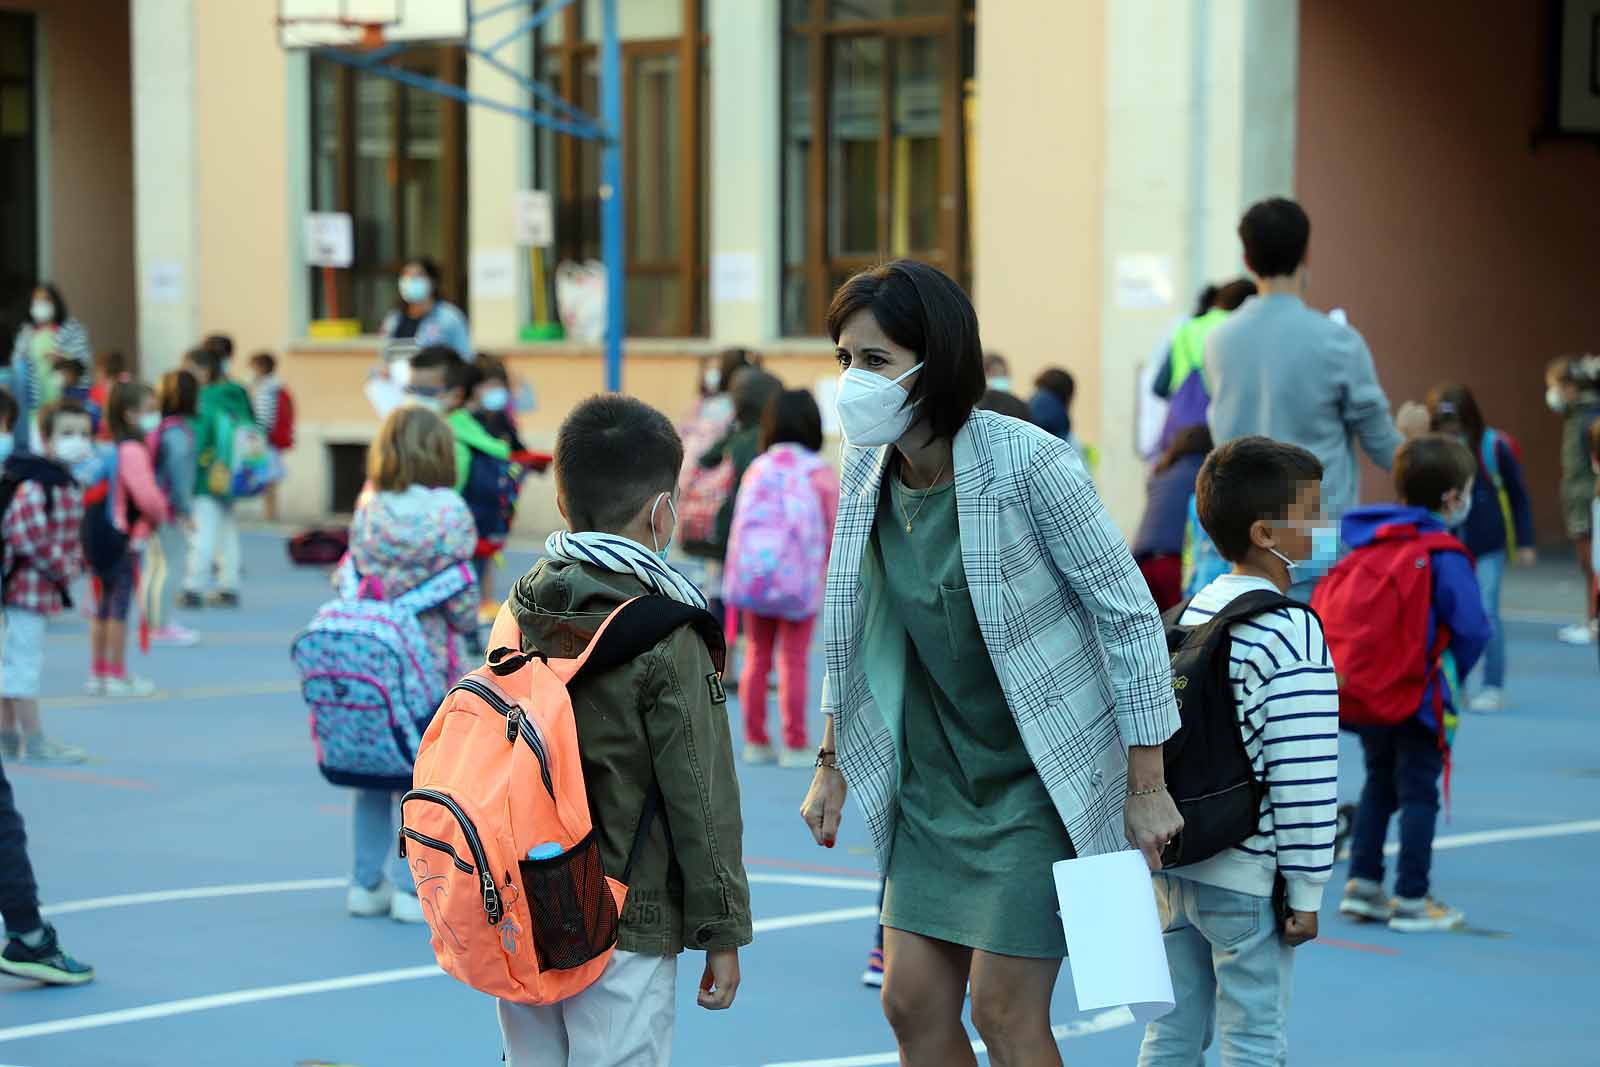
(198, 861)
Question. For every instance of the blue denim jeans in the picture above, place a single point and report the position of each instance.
(1403, 768)
(377, 842)
(1231, 974)
(1491, 573)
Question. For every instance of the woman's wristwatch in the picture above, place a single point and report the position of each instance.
(827, 757)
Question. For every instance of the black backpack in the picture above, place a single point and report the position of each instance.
(1209, 774)
(25, 467)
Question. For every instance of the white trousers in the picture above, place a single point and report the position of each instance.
(216, 537)
(625, 1019)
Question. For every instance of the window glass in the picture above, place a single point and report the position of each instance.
(855, 132)
(875, 10)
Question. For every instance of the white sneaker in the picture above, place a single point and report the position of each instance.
(175, 636)
(756, 754)
(1577, 634)
(130, 685)
(95, 685)
(1425, 915)
(1489, 701)
(406, 908)
(369, 903)
(42, 749)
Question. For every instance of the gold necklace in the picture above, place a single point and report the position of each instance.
(900, 500)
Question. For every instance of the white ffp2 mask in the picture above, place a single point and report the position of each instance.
(873, 410)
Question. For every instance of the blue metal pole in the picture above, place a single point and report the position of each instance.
(611, 192)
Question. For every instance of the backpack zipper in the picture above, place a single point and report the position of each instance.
(516, 723)
(433, 843)
(491, 895)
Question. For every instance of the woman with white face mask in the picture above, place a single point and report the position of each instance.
(48, 334)
(422, 317)
(992, 652)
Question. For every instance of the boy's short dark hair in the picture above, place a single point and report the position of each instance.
(208, 361)
(792, 418)
(220, 343)
(264, 362)
(68, 365)
(493, 368)
(1059, 383)
(50, 414)
(8, 411)
(751, 395)
(1275, 233)
(613, 453)
(1246, 481)
(1428, 467)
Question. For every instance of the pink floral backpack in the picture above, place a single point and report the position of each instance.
(778, 547)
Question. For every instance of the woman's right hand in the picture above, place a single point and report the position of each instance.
(824, 805)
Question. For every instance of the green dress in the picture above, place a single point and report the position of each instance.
(976, 832)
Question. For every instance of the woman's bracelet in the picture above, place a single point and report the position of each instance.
(827, 757)
(1147, 792)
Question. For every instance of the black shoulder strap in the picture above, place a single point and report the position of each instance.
(637, 628)
(641, 625)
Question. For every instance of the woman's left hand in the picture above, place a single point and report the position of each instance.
(1149, 820)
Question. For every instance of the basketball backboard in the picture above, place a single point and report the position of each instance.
(369, 23)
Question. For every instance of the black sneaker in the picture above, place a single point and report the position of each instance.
(225, 600)
(47, 963)
(190, 602)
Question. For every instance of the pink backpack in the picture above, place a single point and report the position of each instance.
(778, 547)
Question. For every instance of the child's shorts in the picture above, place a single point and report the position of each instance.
(22, 655)
(115, 590)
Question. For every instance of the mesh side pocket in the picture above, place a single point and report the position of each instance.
(573, 912)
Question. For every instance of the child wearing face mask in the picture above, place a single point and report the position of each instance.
(71, 384)
(493, 409)
(655, 726)
(43, 554)
(1368, 631)
(124, 511)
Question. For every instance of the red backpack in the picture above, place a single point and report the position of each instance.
(281, 434)
(1374, 608)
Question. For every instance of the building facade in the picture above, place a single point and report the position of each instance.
(1079, 164)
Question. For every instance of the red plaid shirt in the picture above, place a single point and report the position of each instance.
(44, 546)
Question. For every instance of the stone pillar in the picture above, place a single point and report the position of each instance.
(499, 162)
(746, 65)
(166, 187)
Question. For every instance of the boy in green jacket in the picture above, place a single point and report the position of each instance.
(661, 718)
(224, 408)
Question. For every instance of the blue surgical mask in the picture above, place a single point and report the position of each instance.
(1324, 552)
(663, 549)
(495, 398)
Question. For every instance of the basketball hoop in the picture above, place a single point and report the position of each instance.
(333, 31)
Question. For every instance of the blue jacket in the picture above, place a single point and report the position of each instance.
(1457, 601)
(1166, 509)
(1484, 532)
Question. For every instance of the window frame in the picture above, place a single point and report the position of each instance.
(818, 265)
(563, 61)
(448, 63)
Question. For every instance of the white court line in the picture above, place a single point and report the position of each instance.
(251, 888)
(1515, 833)
(190, 1005)
(1094, 1024)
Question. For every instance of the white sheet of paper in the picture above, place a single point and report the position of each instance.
(1114, 946)
(532, 218)
(735, 277)
(494, 273)
(1144, 281)
(163, 282)
(330, 239)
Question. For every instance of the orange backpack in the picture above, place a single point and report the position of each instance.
(497, 826)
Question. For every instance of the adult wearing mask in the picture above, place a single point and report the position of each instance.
(1279, 369)
(423, 317)
(998, 685)
(50, 332)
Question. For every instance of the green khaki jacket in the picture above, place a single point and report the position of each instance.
(661, 717)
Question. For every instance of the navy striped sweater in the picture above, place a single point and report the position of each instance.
(1288, 700)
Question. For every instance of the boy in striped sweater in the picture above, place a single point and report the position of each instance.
(1228, 945)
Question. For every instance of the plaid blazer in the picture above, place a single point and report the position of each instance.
(1067, 619)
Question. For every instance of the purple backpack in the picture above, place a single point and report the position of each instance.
(778, 546)
(1188, 407)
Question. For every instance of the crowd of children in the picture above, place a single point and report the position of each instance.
(119, 482)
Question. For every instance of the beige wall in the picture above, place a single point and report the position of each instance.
(87, 232)
(1459, 253)
(1039, 169)
(241, 132)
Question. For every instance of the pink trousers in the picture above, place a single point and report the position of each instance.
(792, 643)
